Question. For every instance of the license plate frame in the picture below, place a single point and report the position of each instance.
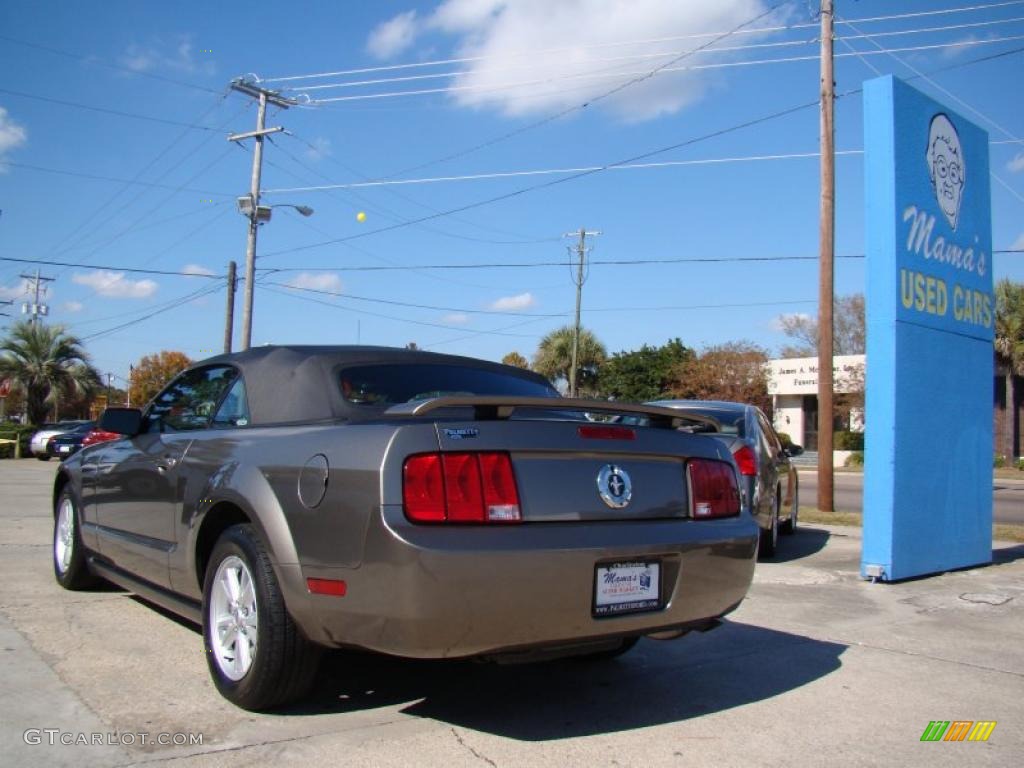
(626, 587)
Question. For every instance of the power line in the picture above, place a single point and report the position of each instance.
(597, 262)
(90, 220)
(107, 111)
(109, 65)
(552, 183)
(395, 303)
(139, 270)
(650, 41)
(484, 88)
(308, 89)
(205, 291)
(558, 115)
(97, 177)
(555, 171)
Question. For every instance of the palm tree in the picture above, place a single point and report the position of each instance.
(554, 356)
(46, 363)
(1009, 348)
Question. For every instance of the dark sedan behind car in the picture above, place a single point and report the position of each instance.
(69, 443)
(769, 479)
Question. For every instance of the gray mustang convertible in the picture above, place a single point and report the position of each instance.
(294, 498)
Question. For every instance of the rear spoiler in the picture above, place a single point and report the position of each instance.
(490, 408)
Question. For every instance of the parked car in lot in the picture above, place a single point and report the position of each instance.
(417, 504)
(68, 443)
(38, 442)
(769, 479)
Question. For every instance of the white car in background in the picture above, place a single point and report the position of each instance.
(37, 445)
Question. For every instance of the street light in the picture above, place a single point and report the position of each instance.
(248, 206)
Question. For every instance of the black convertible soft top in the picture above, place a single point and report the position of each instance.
(298, 383)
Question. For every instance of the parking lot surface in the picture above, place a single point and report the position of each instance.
(816, 667)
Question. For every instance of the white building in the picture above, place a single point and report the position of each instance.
(793, 386)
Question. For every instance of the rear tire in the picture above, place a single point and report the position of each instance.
(769, 540)
(257, 657)
(69, 554)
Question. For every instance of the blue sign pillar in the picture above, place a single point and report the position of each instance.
(930, 321)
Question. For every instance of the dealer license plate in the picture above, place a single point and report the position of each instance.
(627, 588)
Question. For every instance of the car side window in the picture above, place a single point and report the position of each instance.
(234, 411)
(190, 401)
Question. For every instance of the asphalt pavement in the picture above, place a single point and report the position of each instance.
(815, 667)
(1007, 494)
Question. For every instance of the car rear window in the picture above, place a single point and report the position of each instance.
(731, 421)
(386, 385)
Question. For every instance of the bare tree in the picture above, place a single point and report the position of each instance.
(848, 333)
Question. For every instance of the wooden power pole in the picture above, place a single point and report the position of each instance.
(229, 316)
(826, 500)
(579, 279)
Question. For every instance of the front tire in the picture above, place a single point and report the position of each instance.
(69, 555)
(257, 657)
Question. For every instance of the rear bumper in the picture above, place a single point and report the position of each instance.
(444, 591)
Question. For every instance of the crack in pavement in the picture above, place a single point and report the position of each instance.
(477, 755)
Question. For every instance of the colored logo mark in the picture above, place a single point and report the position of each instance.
(958, 730)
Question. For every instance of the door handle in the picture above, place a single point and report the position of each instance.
(166, 463)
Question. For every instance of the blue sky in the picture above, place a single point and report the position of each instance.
(513, 76)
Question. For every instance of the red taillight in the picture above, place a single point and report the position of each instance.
(599, 432)
(746, 460)
(460, 488)
(465, 497)
(501, 497)
(94, 436)
(423, 489)
(714, 488)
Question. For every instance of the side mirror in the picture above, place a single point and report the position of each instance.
(795, 450)
(123, 421)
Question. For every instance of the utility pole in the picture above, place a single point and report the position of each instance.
(252, 209)
(579, 279)
(35, 308)
(229, 318)
(826, 257)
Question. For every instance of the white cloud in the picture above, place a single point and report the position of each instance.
(114, 285)
(73, 306)
(513, 303)
(317, 281)
(14, 291)
(12, 136)
(320, 149)
(571, 51)
(197, 269)
(455, 318)
(1019, 242)
(1017, 164)
(393, 36)
(179, 56)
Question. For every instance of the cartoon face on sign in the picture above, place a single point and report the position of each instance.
(946, 166)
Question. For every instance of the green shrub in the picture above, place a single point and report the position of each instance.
(785, 439)
(15, 432)
(848, 441)
(855, 459)
(1020, 464)
(998, 461)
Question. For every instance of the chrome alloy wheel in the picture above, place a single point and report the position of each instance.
(233, 618)
(64, 541)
